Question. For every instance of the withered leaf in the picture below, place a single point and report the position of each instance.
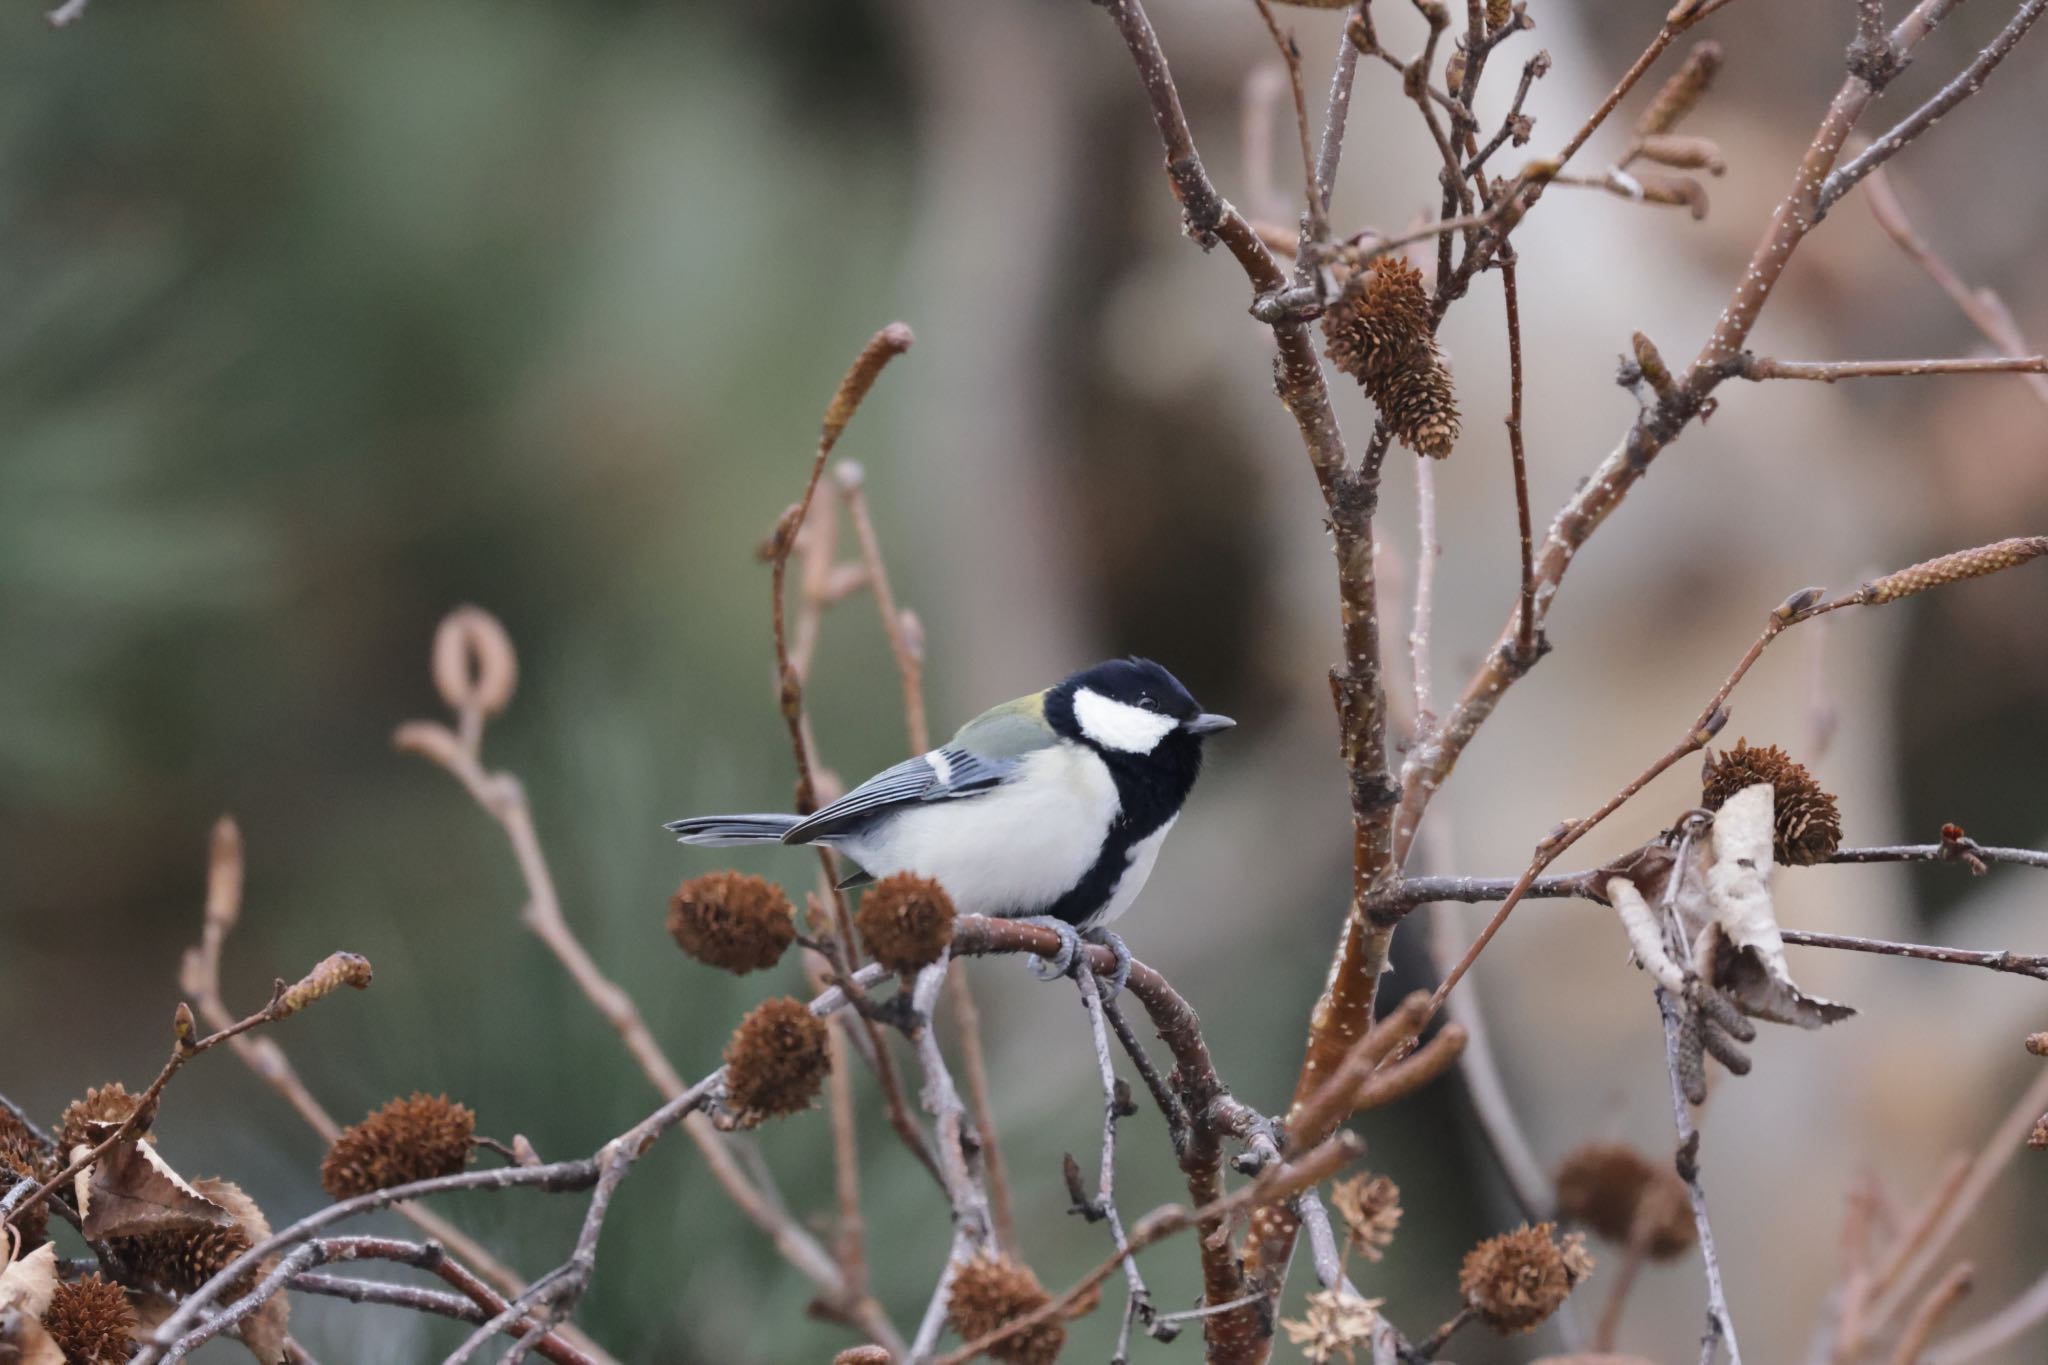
(263, 1331)
(24, 1341)
(27, 1284)
(130, 1192)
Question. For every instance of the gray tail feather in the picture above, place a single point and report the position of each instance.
(725, 831)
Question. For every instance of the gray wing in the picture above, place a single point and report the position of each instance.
(941, 775)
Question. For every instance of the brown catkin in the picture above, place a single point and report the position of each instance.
(1682, 153)
(1380, 333)
(776, 1062)
(90, 1320)
(1679, 94)
(406, 1140)
(1623, 1196)
(991, 1291)
(333, 972)
(732, 921)
(1954, 568)
(1518, 1279)
(906, 921)
(862, 1355)
(1808, 826)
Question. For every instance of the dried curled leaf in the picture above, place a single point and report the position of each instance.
(1742, 953)
(131, 1191)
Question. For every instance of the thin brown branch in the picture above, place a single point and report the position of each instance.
(503, 798)
(1275, 1184)
(2020, 964)
(906, 646)
(2026, 1312)
(1525, 612)
(2007, 1139)
(1828, 371)
(1318, 226)
(1981, 306)
(284, 1002)
(1655, 428)
(1940, 1301)
(843, 948)
(199, 976)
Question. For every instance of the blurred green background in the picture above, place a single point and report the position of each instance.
(319, 320)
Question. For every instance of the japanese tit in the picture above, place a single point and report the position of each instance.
(1049, 808)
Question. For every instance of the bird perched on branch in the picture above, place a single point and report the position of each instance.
(1049, 809)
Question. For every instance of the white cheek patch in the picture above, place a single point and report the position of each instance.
(1118, 725)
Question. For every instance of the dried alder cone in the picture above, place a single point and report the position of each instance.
(1370, 1206)
(103, 1104)
(776, 1062)
(1336, 1326)
(1379, 332)
(1625, 1198)
(407, 1140)
(906, 921)
(992, 1291)
(22, 1158)
(90, 1320)
(1518, 1279)
(732, 921)
(1808, 828)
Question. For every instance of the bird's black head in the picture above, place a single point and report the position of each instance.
(1132, 709)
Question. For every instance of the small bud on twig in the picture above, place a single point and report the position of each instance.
(1651, 363)
(183, 1028)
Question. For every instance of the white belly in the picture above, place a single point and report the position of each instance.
(1144, 853)
(1013, 850)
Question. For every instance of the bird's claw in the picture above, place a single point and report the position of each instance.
(1060, 963)
(1122, 954)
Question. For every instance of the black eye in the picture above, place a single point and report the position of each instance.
(1148, 703)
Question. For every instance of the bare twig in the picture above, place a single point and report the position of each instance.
(2022, 1315)
(1426, 551)
(503, 798)
(1966, 83)
(1828, 371)
(1104, 1206)
(1276, 1183)
(1981, 306)
(199, 976)
(1525, 612)
(2019, 963)
(2007, 1139)
(1720, 1325)
(1940, 1301)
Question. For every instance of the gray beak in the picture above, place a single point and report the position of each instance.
(1207, 723)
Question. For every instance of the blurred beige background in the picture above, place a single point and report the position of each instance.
(321, 319)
